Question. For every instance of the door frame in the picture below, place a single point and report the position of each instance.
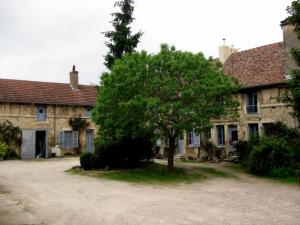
(46, 140)
(231, 128)
(93, 138)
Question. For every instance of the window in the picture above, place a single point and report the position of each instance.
(220, 135)
(158, 142)
(207, 133)
(252, 103)
(68, 139)
(88, 111)
(190, 138)
(41, 113)
(253, 129)
(196, 139)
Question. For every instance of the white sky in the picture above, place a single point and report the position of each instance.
(42, 39)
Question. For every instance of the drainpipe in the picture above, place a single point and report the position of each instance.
(54, 125)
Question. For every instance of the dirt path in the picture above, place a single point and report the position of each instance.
(40, 192)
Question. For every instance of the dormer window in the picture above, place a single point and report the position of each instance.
(252, 103)
(88, 111)
(41, 113)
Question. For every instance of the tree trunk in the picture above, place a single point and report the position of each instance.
(171, 154)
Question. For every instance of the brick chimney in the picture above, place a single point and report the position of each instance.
(74, 78)
(290, 41)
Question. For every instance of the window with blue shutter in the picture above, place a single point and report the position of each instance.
(196, 139)
(68, 139)
(41, 113)
(88, 111)
(75, 139)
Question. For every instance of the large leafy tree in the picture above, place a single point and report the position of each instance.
(294, 18)
(168, 93)
(121, 40)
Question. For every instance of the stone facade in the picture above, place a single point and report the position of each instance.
(270, 109)
(57, 120)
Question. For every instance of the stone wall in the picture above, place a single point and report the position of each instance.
(270, 109)
(25, 117)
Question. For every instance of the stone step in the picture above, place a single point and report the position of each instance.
(178, 157)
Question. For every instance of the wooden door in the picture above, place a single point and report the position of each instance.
(90, 140)
(28, 144)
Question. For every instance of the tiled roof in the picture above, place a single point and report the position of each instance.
(258, 66)
(21, 91)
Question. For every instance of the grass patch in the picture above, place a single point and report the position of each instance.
(157, 174)
(282, 180)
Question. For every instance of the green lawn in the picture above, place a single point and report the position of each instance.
(283, 180)
(157, 174)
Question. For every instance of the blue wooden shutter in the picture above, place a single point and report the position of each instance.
(75, 139)
(196, 138)
(61, 139)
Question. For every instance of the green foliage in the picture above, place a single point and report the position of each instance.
(264, 157)
(244, 149)
(88, 161)
(294, 18)
(10, 134)
(126, 153)
(121, 41)
(11, 155)
(3, 149)
(276, 154)
(157, 174)
(168, 93)
(78, 123)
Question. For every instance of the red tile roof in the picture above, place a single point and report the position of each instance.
(21, 91)
(258, 66)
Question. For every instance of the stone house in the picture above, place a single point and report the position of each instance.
(263, 73)
(42, 110)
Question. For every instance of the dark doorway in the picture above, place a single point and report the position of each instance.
(40, 144)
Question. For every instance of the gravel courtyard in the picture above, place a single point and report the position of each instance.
(40, 192)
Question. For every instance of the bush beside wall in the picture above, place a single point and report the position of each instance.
(276, 154)
(127, 153)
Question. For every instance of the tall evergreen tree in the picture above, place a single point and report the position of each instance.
(294, 18)
(121, 40)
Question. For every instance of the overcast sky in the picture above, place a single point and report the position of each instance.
(42, 39)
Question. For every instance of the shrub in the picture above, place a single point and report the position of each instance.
(11, 154)
(10, 134)
(273, 156)
(88, 160)
(259, 160)
(3, 149)
(129, 152)
(276, 154)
